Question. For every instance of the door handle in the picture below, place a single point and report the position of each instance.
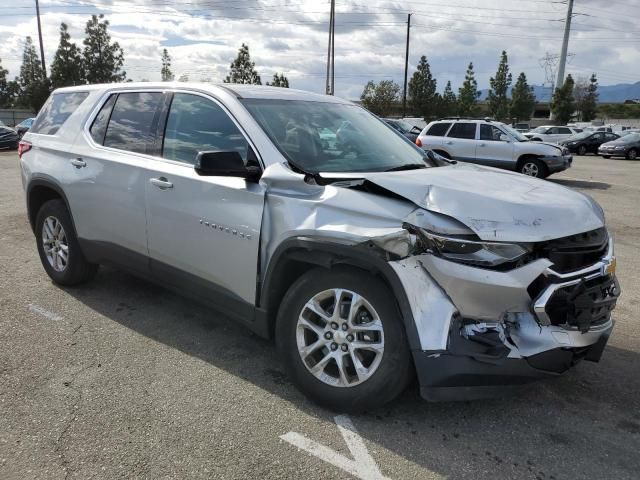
(162, 183)
(483, 144)
(78, 163)
(449, 143)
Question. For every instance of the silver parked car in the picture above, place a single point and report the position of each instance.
(365, 258)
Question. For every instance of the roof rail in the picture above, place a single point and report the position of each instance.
(487, 119)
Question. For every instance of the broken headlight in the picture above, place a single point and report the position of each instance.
(473, 252)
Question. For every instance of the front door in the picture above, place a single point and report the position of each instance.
(204, 231)
(495, 148)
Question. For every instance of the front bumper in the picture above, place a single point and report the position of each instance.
(612, 152)
(558, 163)
(482, 330)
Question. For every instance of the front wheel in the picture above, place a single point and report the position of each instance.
(533, 168)
(341, 338)
(582, 150)
(632, 154)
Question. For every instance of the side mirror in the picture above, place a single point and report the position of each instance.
(504, 138)
(225, 164)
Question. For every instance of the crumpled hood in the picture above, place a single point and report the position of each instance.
(495, 204)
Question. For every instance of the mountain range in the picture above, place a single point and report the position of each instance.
(607, 93)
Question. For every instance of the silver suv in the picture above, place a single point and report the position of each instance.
(493, 144)
(366, 259)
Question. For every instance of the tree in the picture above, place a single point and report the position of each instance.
(586, 95)
(380, 98)
(497, 98)
(66, 68)
(523, 101)
(448, 102)
(165, 72)
(563, 104)
(243, 69)
(422, 90)
(279, 81)
(32, 84)
(468, 94)
(6, 97)
(103, 60)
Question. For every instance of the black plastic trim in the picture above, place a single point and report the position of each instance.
(42, 180)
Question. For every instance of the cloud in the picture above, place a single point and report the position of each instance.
(290, 36)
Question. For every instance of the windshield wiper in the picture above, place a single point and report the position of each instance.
(408, 166)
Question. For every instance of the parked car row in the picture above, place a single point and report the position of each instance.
(9, 137)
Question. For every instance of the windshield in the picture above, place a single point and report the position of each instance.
(539, 130)
(631, 138)
(579, 136)
(332, 137)
(514, 133)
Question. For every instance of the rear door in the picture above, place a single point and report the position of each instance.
(461, 142)
(492, 149)
(204, 231)
(434, 136)
(110, 165)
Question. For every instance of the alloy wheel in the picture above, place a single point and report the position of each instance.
(633, 154)
(530, 169)
(56, 246)
(340, 337)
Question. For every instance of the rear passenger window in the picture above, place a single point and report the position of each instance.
(99, 126)
(196, 124)
(133, 122)
(438, 129)
(463, 130)
(56, 111)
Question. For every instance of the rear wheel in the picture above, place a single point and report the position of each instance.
(341, 338)
(632, 154)
(582, 150)
(533, 168)
(58, 246)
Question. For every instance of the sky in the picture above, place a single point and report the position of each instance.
(290, 37)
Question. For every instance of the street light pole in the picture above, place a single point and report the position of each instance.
(329, 87)
(406, 67)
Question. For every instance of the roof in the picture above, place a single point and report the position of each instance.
(240, 91)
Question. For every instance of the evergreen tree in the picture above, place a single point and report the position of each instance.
(563, 104)
(103, 60)
(380, 98)
(523, 101)
(6, 97)
(33, 85)
(279, 81)
(468, 94)
(497, 98)
(165, 72)
(449, 102)
(588, 104)
(243, 69)
(66, 68)
(422, 90)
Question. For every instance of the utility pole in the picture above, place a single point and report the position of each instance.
(330, 85)
(44, 68)
(565, 45)
(406, 67)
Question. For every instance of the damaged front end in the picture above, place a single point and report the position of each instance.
(493, 315)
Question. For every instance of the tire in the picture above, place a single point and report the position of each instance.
(533, 168)
(536, 139)
(632, 154)
(59, 234)
(390, 369)
(582, 150)
(606, 156)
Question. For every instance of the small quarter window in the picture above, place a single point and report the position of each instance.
(99, 126)
(56, 111)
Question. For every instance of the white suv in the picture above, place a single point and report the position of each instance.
(493, 144)
(551, 133)
(365, 258)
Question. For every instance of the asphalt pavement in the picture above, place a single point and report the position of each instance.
(121, 379)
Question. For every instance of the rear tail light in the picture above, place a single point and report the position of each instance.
(418, 142)
(23, 147)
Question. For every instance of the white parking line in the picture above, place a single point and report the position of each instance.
(362, 466)
(44, 312)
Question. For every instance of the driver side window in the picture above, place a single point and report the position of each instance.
(490, 133)
(197, 124)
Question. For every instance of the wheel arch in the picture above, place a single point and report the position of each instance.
(527, 156)
(297, 255)
(41, 190)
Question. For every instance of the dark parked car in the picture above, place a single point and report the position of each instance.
(24, 126)
(8, 138)
(587, 142)
(406, 129)
(627, 146)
